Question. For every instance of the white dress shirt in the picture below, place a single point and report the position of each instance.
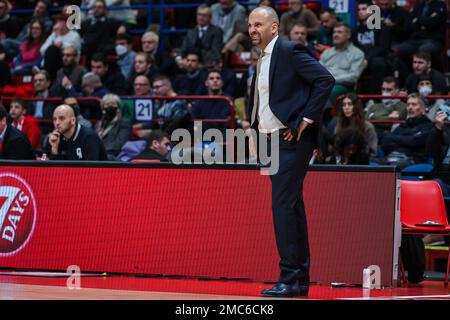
(267, 121)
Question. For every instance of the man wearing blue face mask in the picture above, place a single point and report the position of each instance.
(388, 109)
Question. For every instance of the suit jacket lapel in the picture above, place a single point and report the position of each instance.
(273, 62)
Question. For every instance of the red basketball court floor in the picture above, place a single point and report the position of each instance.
(32, 285)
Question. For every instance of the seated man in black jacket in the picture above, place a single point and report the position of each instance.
(158, 147)
(14, 144)
(110, 74)
(70, 140)
(407, 142)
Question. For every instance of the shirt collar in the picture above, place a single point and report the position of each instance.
(76, 133)
(269, 48)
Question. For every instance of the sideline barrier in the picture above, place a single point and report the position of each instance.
(195, 221)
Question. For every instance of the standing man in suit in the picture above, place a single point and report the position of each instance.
(205, 37)
(287, 98)
(14, 144)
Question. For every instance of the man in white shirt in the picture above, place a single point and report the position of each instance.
(288, 94)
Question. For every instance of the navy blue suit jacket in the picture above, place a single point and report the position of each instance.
(299, 86)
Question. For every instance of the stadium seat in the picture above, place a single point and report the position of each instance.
(422, 211)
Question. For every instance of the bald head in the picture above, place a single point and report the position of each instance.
(263, 26)
(64, 120)
(65, 109)
(270, 14)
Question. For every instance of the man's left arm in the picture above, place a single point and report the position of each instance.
(320, 80)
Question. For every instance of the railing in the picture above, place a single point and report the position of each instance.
(230, 121)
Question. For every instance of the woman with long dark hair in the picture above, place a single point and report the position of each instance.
(30, 55)
(350, 114)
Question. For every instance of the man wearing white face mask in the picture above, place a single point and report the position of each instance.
(425, 89)
(124, 49)
(388, 109)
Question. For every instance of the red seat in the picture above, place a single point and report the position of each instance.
(422, 211)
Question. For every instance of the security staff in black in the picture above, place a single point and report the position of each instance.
(71, 141)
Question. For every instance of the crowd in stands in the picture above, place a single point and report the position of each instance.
(80, 79)
(402, 61)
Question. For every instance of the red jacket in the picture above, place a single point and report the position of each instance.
(30, 126)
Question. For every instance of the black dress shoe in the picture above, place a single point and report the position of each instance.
(282, 290)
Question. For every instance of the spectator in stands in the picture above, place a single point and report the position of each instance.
(299, 33)
(298, 13)
(25, 123)
(406, 144)
(166, 64)
(212, 109)
(72, 141)
(350, 147)
(60, 39)
(225, 15)
(192, 82)
(324, 38)
(68, 78)
(29, 54)
(344, 61)
(229, 80)
(388, 109)
(126, 54)
(8, 28)
(425, 88)
(98, 32)
(375, 43)
(92, 86)
(171, 114)
(142, 87)
(113, 129)
(158, 147)
(42, 109)
(73, 102)
(14, 144)
(395, 18)
(40, 13)
(350, 114)
(5, 74)
(144, 65)
(426, 29)
(422, 65)
(205, 37)
(109, 74)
